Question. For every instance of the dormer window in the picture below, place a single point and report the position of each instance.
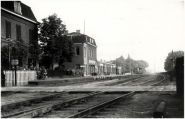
(17, 7)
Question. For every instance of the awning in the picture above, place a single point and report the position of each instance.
(82, 65)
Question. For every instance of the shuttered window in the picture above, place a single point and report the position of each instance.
(18, 32)
(77, 50)
(84, 51)
(8, 29)
(30, 36)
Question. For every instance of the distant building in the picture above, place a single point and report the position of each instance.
(18, 23)
(85, 58)
(118, 70)
(106, 68)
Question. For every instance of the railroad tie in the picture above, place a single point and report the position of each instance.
(160, 111)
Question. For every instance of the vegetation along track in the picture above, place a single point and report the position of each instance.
(76, 107)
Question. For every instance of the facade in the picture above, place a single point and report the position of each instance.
(85, 58)
(18, 23)
(119, 70)
(106, 68)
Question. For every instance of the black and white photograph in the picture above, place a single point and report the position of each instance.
(92, 58)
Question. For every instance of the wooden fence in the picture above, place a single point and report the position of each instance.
(22, 77)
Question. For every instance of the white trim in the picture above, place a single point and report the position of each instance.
(19, 15)
(77, 43)
(91, 44)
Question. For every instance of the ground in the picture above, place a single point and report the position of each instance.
(141, 105)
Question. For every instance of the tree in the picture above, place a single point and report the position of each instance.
(142, 64)
(18, 50)
(171, 59)
(120, 62)
(129, 64)
(55, 44)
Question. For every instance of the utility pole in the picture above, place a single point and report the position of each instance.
(130, 68)
(154, 66)
(84, 26)
(172, 59)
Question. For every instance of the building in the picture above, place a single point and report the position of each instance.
(119, 70)
(106, 68)
(85, 58)
(19, 23)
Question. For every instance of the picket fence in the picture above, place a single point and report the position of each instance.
(22, 77)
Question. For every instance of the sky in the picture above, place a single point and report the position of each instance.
(145, 29)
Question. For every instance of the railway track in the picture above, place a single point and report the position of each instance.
(82, 106)
(143, 81)
(125, 81)
(37, 103)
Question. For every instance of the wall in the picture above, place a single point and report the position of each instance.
(25, 26)
(78, 59)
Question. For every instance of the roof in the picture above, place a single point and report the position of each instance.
(26, 10)
(81, 38)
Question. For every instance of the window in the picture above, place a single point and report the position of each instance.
(8, 29)
(17, 7)
(92, 53)
(89, 53)
(77, 50)
(84, 51)
(30, 36)
(18, 32)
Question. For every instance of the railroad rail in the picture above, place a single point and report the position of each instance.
(145, 82)
(97, 108)
(93, 102)
(47, 108)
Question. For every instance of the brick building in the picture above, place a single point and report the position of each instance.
(85, 58)
(18, 23)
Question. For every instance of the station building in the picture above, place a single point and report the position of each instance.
(18, 23)
(85, 59)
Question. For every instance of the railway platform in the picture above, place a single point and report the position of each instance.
(87, 87)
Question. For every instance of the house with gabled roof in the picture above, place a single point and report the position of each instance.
(19, 23)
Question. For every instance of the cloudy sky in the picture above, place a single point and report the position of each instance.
(144, 29)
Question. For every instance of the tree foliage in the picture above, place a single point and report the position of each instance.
(120, 62)
(171, 59)
(18, 50)
(130, 64)
(55, 44)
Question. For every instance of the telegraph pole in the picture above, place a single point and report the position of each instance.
(154, 67)
(84, 26)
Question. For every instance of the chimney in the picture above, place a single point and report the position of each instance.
(77, 31)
